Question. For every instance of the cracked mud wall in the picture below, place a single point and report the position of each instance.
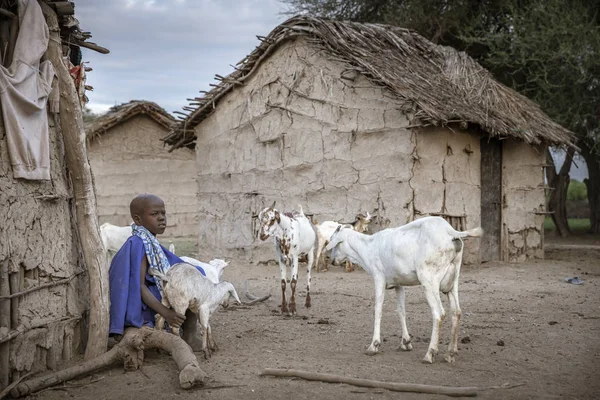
(523, 201)
(38, 245)
(130, 159)
(298, 134)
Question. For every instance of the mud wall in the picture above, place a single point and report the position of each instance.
(130, 159)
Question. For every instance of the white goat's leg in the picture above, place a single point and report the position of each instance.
(282, 269)
(160, 320)
(293, 282)
(379, 296)
(455, 314)
(405, 341)
(203, 315)
(311, 259)
(432, 293)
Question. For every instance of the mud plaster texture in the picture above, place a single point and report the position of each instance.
(298, 134)
(38, 243)
(130, 159)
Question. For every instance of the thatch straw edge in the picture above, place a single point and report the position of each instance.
(446, 85)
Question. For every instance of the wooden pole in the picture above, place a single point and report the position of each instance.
(14, 281)
(71, 125)
(396, 387)
(4, 323)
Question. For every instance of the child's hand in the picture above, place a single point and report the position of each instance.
(174, 319)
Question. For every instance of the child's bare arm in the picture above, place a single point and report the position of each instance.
(173, 318)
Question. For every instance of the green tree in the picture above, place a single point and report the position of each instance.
(548, 50)
(88, 115)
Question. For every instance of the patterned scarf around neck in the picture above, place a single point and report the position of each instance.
(156, 257)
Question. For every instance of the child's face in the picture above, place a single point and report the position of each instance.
(152, 217)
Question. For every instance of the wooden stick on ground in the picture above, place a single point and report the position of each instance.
(396, 387)
(253, 299)
(130, 350)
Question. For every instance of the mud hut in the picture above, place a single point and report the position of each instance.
(344, 117)
(128, 158)
(44, 283)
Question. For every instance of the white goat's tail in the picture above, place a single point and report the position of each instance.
(475, 232)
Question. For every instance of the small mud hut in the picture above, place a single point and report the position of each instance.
(128, 158)
(344, 117)
(45, 193)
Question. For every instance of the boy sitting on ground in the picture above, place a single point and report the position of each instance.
(135, 295)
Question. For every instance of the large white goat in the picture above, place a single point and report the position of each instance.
(425, 252)
(294, 235)
(326, 228)
(184, 287)
(113, 237)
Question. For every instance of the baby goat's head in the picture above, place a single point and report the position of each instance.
(267, 218)
(362, 222)
(337, 244)
(231, 292)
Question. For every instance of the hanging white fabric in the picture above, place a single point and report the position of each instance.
(24, 89)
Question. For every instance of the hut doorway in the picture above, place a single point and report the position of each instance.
(491, 198)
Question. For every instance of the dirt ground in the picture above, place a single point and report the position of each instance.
(522, 325)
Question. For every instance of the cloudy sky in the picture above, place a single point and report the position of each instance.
(167, 50)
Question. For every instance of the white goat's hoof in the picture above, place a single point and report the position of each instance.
(373, 349)
(449, 358)
(406, 345)
(429, 357)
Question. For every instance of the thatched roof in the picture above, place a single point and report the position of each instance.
(121, 113)
(446, 86)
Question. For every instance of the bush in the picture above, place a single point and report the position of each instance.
(576, 191)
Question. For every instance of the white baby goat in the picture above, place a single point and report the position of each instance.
(214, 268)
(293, 235)
(185, 287)
(428, 252)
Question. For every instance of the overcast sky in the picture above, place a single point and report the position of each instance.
(167, 50)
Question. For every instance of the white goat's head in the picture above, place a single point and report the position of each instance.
(219, 265)
(267, 218)
(337, 244)
(231, 292)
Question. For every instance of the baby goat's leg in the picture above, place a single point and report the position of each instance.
(211, 340)
(203, 315)
(405, 341)
(379, 296)
(160, 320)
(179, 307)
(432, 293)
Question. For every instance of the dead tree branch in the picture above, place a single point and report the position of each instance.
(130, 350)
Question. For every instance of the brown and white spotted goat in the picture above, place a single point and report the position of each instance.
(294, 235)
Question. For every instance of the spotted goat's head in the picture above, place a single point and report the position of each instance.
(268, 217)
